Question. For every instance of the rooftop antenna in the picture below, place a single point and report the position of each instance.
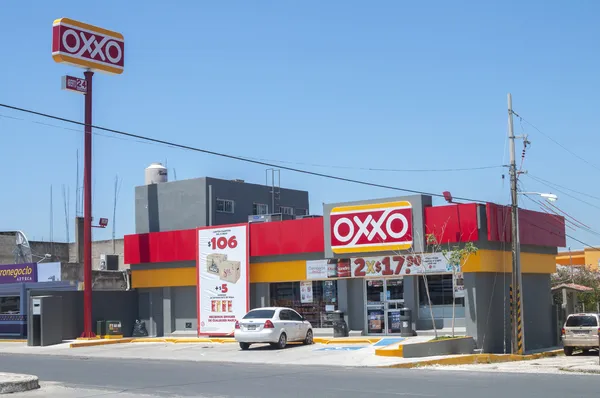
(114, 223)
(65, 194)
(51, 222)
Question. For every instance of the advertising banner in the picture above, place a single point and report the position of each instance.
(389, 266)
(459, 285)
(306, 292)
(49, 272)
(222, 278)
(327, 269)
(15, 273)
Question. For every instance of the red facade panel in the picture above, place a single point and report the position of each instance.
(536, 228)
(287, 237)
(160, 247)
(453, 223)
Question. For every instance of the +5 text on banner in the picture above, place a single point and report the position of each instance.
(223, 263)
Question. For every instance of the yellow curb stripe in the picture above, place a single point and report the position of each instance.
(475, 359)
(98, 343)
(13, 341)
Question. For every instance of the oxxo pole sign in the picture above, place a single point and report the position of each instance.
(94, 49)
(371, 227)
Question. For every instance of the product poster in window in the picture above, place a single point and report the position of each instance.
(222, 278)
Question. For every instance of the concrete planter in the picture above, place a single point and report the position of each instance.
(455, 346)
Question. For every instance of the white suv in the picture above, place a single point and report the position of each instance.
(580, 332)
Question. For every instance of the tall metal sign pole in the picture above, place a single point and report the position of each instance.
(94, 49)
(518, 339)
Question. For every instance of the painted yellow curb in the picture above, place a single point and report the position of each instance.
(93, 343)
(344, 340)
(476, 359)
(398, 351)
(13, 341)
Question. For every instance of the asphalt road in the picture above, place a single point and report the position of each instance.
(205, 379)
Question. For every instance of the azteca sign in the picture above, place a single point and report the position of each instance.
(371, 227)
(87, 46)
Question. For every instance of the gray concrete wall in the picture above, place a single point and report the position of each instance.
(184, 307)
(418, 202)
(158, 207)
(150, 310)
(487, 311)
(122, 306)
(356, 304)
(260, 295)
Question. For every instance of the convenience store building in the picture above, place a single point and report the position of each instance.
(367, 259)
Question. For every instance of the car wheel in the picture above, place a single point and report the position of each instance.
(282, 341)
(309, 337)
(244, 346)
(568, 351)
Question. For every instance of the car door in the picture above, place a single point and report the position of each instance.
(299, 325)
(286, 324)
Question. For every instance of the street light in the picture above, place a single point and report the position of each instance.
(550, 197)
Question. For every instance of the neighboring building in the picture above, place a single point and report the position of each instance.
(63, 252)
(205, 201)
(288, 257)
(588, 257)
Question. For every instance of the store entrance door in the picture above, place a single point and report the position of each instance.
(384, 299)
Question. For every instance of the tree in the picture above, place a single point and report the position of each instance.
(457, 257)
(580, 276)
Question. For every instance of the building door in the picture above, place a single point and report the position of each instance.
(384, 299)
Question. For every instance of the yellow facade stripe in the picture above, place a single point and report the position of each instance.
(401, 203)
(293, 271)
(285, 271)
(501, 261)
(397, 247)
(62, 58)
(86, 26)
(163, 277)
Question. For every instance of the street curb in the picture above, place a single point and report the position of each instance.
(12, 382)
(93, 343)
(205, 340)
(13, 341)
(586, 371)
(475, 359)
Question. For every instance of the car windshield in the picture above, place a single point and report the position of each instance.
(260, 314)
(587, 320)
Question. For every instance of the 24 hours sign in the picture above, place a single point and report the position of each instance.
(222, 278)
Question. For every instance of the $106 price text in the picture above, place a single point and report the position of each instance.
(223, 243)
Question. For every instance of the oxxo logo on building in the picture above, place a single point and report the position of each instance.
(371, 227)
(87, 46)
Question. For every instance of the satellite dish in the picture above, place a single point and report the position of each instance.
(23, 251)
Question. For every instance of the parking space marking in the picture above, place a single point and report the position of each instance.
(338, 348)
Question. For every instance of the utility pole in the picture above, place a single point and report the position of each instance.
(518, 336)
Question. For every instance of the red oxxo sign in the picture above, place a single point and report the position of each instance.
(371, 227)
(87, 46)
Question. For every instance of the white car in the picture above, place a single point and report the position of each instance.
(581, 331)
(274, 325)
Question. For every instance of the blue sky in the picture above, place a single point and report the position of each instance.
(384, 84)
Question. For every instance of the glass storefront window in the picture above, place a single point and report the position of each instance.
(441, 292)
(10, 305)
(312, 299)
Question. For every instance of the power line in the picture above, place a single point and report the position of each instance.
(563, 187)
(329, 166)
(556, 142)
(551, 185)
(224, 155)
